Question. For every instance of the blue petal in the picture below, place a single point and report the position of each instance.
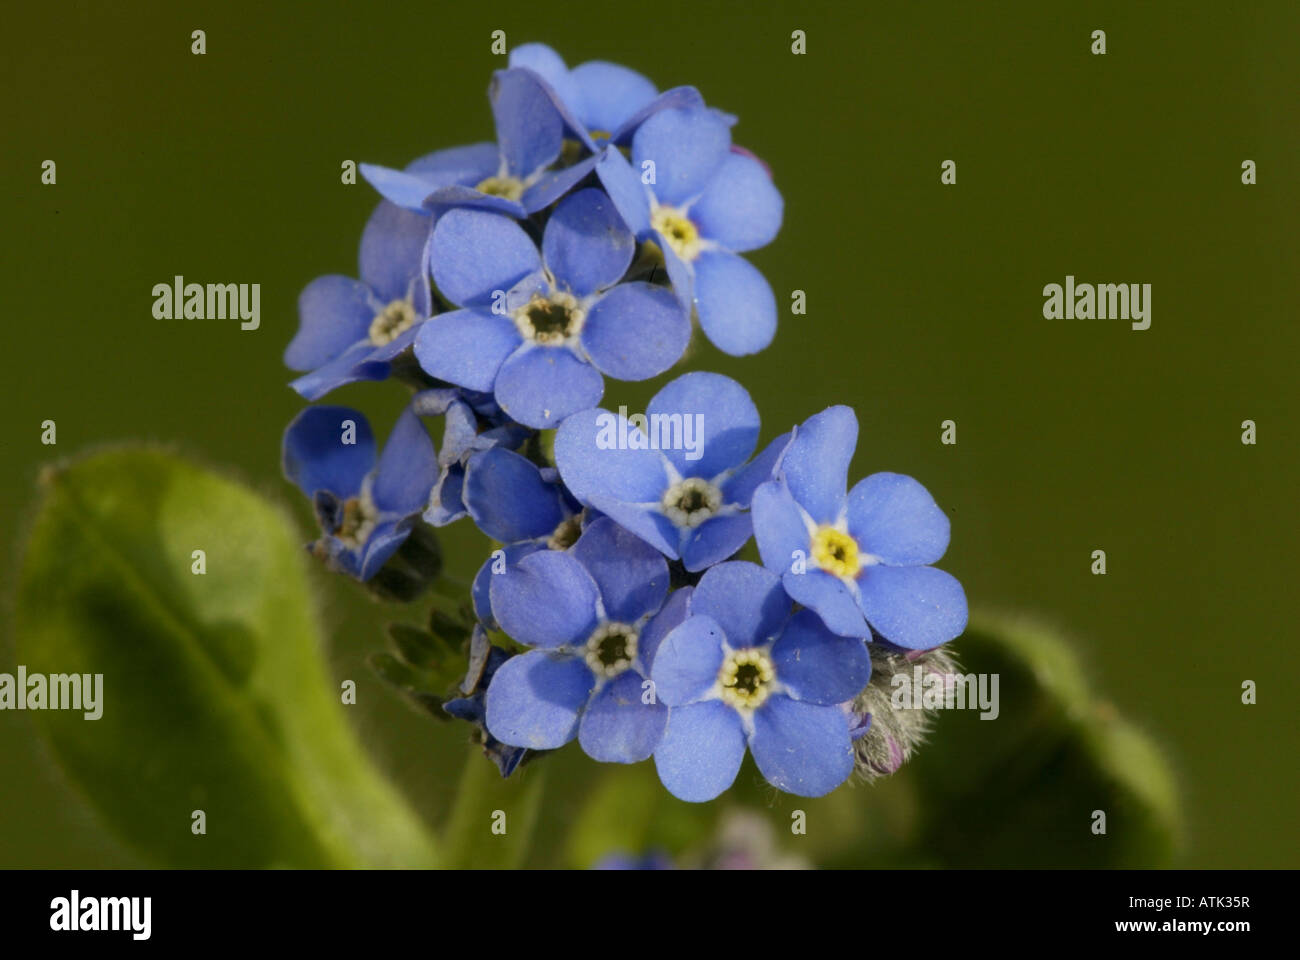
(816, 464)
(383, 542)
(435, 401)
(914, 607)
(631, 575)
(555, 184)
(715, 540)
(701, 751)
(688, 660)
(407, 468)
(744, 599)
(828, 595)
(592, 464)
(817, 666)
(617, 727)
(448, 198)
(680, 273)
(740, 488)
(802, 748)
(393, 248)
(334, 312)
(545, 62)
(736, 306)
(465, 166)
(474, 254)
(586, 246)
(534, 699)
(460, 432)
(387, 352)
(676, 98)
(636, 331)
(540, 386)
(728, 416)
(352, 365)
(446, 499)
(895, 519)
(481, 589)
(315, 457)
(508, 499)
(647, 523)
(607, 95)
(625, 189)
(530, 129)
(399, 187)
(466, 347)
(779, 527)
(687, 147)
(675, 611)
(546, 600)
(741, 208)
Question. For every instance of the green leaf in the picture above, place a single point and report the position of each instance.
(1021, 790)
(492, 819)
(215, 693)
(629, 812)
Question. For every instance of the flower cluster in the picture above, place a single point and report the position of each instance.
(505, 284)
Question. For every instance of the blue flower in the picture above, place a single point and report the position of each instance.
(742, 672)
(538, 329)
(601, 102)
(861, 559)
(595, 614)
(474, 422)
(702, 202)
(484, 661)
(350, 330)
(522, 506)
(514, 176)
(675, 478)
(651, 860)
(366, 508)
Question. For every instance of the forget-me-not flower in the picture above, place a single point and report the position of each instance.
(349, 329)
(366, 507)
(858, 559)
(678, 479)
(515, 176)
(594, 615)
(602, 103)
(702, 203)
(537, 329)
(741, 672)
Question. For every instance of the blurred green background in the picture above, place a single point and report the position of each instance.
(924, 304)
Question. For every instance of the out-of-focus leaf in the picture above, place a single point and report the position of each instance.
(629, 812)
(1021, 790)
(215, 694)
(492, 819)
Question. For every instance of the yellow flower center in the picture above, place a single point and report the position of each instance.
(691, 502)
(746, 678)
(565, 535)
(677, 230)
(611, 649)
(836, 552)
(550, 320)
(512, 188)
(391, 321)
(357, 522)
